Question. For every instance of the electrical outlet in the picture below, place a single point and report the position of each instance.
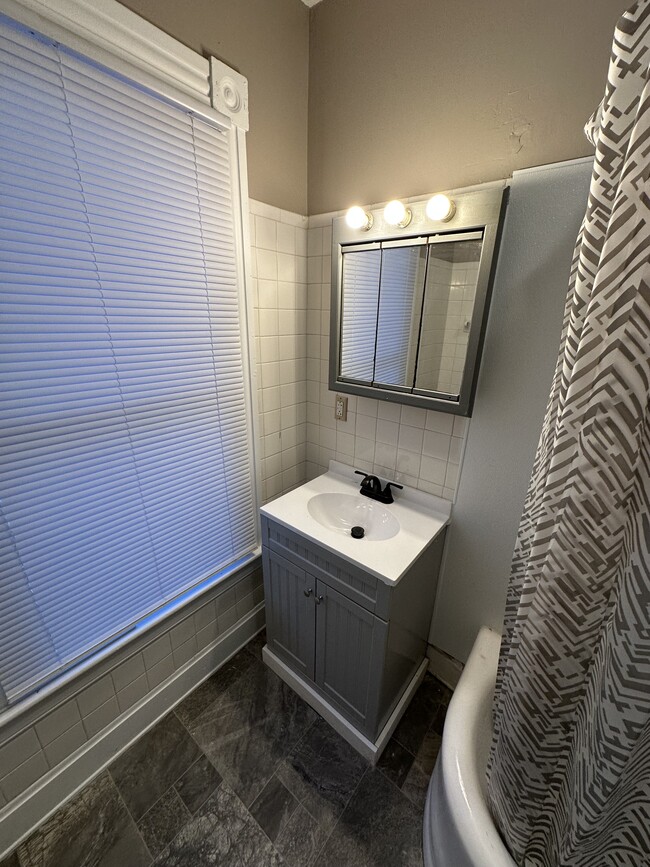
(341, 408)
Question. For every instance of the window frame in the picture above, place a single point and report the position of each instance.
(109, 34)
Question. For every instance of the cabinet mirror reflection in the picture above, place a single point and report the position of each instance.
(408, 314)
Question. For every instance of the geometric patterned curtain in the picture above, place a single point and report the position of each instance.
(569, 769)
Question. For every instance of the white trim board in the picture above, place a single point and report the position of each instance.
(23, 815)
(110, 34)
(444, 667)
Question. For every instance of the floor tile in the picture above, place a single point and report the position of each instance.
(301, 839)
(94, 829)
(147, 769)
(395, 762)
(244, 774)
(222, 834)
(198, 783)
(213, 688)
(416, 785)
(419, 714)
(322, 772)
(273, 807)
(249, 730)
(255, 646)
(438, 723)
(379, 827)
(428, 752)
(163, 821)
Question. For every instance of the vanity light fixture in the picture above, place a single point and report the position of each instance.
(440, 208)
(357, 218)
(397, 214)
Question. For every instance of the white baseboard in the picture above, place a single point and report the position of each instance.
(21, 817)
(369, 750)
(444, 667)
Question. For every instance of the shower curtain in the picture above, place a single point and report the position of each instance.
(569, 769)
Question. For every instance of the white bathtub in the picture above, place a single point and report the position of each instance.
(458, 828)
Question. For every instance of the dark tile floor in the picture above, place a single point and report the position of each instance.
(244, 774)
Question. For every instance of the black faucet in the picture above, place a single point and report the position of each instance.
(371, 487)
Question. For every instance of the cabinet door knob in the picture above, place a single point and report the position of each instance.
(307, 592)
(318, 599)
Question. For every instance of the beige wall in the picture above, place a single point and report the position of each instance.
(416, 95)
(268, 42)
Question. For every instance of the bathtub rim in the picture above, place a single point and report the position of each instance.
(463, 823)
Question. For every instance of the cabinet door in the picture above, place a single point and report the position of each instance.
(290, 614)
(350, 645)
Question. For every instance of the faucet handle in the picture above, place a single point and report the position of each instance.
(369, 482)
(388, 493)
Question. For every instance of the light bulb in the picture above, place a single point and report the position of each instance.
(396, 214)
(357, 218)
(440, 208)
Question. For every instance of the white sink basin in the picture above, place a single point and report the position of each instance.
(326, 508)
(341, 512)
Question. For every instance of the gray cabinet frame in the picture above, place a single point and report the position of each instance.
(475, 210)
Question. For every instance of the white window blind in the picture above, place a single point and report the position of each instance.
(125, 466)
(361, 273)
(402, 276)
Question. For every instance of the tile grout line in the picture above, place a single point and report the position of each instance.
(129, 814)
(336, 824)
(172, 786)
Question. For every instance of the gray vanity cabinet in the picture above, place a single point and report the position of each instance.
(324, 636)
(355, 642)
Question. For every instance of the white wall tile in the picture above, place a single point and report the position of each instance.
(387, 432)
(410, 438)
(265, 234)
(279, 243)
(389, 411)
(23, 776)
(18, 750)
(286, 238)
(57, 722)
(436, 445)
(413, 416)
(267, 264)
(291, 256)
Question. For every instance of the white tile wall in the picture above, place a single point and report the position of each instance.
(291, 262)
(279, 266)
(417, 447)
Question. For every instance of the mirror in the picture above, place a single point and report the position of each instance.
(408, 313)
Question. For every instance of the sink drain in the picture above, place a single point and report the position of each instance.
(357, 532)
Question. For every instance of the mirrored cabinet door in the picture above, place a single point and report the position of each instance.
(452, 276)
(403, 269)
(359, 303)
(407, 310)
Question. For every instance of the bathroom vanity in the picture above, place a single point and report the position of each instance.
(348, 618)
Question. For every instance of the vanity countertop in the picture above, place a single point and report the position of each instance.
(421, 518)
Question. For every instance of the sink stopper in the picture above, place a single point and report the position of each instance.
(357, 532)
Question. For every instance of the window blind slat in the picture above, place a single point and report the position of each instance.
(402, 272)
(125, 471)
(361, 272)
